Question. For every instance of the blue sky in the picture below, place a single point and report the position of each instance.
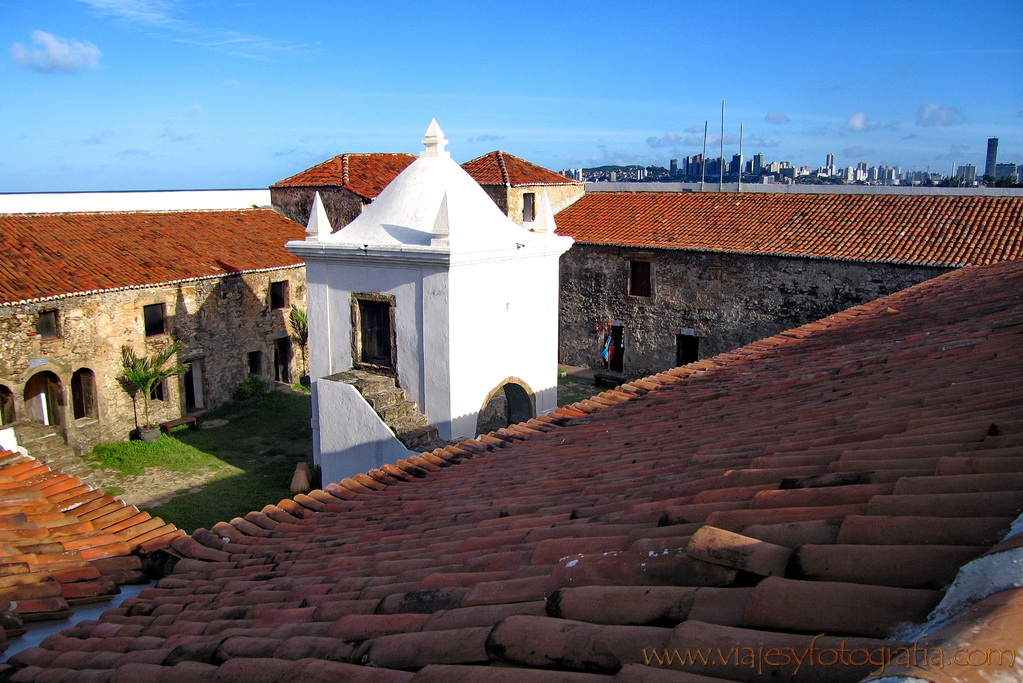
(193, 94)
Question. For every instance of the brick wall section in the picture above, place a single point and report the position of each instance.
(728, 300)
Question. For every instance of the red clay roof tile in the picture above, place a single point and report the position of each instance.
(932, 230)
(66, 253)
(501, 168)
(844, 409)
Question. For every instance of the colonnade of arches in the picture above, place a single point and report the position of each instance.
(44, 400)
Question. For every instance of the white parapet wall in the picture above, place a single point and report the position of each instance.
(174, 200)
(355, 440)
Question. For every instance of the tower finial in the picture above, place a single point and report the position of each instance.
(435, 142)
(319, 224)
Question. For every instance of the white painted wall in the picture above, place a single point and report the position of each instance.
(177, 200)
(475, 297)
(363, 444)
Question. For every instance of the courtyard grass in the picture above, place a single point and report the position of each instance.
(251, 458)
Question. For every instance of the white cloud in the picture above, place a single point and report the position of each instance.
(776, 117)
(151, 12)
(758, 141)
(175, 135)
(859, 123)
(857, 152)
(129, 154)
(52, 54)
(485, 138)
(100, 136)
(955, 151)
(693, 139)
(158, 14)
(933, 115)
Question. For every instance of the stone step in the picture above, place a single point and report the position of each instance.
(409, 423)
(395, 414)
(417, 439)
(385, 399)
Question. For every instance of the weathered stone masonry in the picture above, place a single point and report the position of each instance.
(223, 321)
(726, 300)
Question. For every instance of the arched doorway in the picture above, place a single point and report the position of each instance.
(510, 402)
(6, 405)
(83, 394)
(44, 399)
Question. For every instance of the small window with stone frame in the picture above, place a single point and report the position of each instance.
(155, 319)
(641, 278)
(278, 295)
(46, 325)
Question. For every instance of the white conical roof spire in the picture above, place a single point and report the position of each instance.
(544, 221)
(442, 224)
(435, 142)
(319, 224)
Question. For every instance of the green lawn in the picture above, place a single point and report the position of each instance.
(253, 457)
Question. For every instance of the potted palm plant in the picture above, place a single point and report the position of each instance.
(143, 373)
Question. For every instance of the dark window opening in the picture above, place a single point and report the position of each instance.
(616, 363)
(46, 325)
(528, 206)
(83, 394)
(375, 333)
(6, 405)
(256, 363)
(687, 349)
(639, 278)
(282, 360)
(157, 394)
(154, 319)
(279, 294)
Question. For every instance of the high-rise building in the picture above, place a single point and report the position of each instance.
(1007, 172)
(673, 168)
(992, 156)
(736, 165)
(758, 163)
(967, 173)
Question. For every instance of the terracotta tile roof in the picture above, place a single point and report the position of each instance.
(501, 168)
(933, 229)
(368, 174)
(364, 174)
(816, 489)
(64, 543)
(52, 254)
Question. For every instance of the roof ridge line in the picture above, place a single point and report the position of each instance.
(504, 170)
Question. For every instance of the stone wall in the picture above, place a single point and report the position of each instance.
(342, 206)
(725, 300)
(220, 320)
(561, 197)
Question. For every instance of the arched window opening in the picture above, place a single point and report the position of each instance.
(44, 399)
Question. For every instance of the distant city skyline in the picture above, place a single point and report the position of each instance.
(193, 94)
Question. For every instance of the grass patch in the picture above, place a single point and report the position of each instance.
(571, 390)
(132, 458)
(264, 439)
(254, 457)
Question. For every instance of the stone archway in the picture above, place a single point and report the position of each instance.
(511, 401)
(44, 399)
